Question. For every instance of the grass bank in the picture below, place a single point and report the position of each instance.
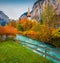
(12, 52)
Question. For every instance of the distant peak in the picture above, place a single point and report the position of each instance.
(1, 11)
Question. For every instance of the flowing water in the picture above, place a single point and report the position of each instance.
(40, 48)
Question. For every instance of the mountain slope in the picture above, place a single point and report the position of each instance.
(23, 15)
(4, 19)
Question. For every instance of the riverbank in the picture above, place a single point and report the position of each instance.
(12, 52)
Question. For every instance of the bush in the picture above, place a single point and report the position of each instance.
(55, 39)
(7, 31)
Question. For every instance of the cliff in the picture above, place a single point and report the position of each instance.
(40, 5)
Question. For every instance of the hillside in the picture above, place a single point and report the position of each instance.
(4, 19)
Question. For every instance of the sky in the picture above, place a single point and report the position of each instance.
(14, 8)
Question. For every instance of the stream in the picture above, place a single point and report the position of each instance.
(40, 48)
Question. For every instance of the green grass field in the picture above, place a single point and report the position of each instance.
(12, 52)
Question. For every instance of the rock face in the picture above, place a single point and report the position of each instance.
(4, 19)
(37, 9)
(39, 6)
(58, 7)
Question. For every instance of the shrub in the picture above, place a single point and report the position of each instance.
(55, 39)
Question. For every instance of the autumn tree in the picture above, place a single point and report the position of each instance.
(47, 15)
(12, 23)
(9, 30)
(20, 27)
(26, 24)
